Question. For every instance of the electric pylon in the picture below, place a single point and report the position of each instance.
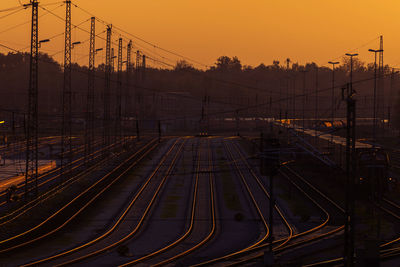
(112, 60)
(118, 95)
(106, 123)
(31, 167)
(128, 79)
(143, 67)
(66, 130)
(137, 94)
(128, 76)
(89, 129)
(381, 84)
(138, 66)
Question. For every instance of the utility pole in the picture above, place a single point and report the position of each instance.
(375, 99)
(350, 169)
(112, 61)
(316, 106)
(137, 93)
(118, 110)
(31, 164)
(381, 86)
(143, 67)
(270, 167)
(89, 129)
(128, 82)
(66, 131)
(287, 88)
(107, 88)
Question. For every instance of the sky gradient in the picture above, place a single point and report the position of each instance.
(256, 31)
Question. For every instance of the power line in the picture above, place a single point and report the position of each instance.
(10, 48)
(142, 40)
(12, 13)
(28, 21)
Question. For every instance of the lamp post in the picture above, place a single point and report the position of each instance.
(75, 44)
(43, 41)
(374, 109)
(350, 173)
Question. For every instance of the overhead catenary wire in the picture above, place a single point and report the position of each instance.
(28, 21)
(143, 40)
(242, 108)
(217, 79)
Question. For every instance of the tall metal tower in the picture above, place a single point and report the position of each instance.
(137, 80)
(112, 60)
(143, 67)
(137, 76)
(31, 168)
(118, 109)
(381, 83)
(107, 87)
(66, 131)
(89, 129)
(128, 79)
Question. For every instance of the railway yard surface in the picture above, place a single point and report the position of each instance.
(187, 201)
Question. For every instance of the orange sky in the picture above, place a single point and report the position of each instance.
(257, 31)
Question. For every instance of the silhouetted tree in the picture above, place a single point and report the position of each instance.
(225, 63)
(183, 65)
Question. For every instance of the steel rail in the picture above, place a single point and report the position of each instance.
(276, 207)
(262, 239)
(21, 185)
(188, 231)
(312, 230)
(254, 249)
(139, 224)
(119, 220)
(66, 206)
(213, 216)
(29, 205)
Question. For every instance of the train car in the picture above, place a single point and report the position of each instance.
(373, 172)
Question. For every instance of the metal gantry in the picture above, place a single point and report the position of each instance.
(66, 130)
(107, 88)
(143, 67)
(349, 231)
(118, 110)
(89, 126)
(31, 167)
(381, 86)
(127, 110)
(137, 93)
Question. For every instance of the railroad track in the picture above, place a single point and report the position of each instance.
(282, 245)
(255, 200)
(47, 178)
(203, 218)
(86, 197)
(134, 212)
(188, 229)
(387, 248)
(135, 217)
(15, 214)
